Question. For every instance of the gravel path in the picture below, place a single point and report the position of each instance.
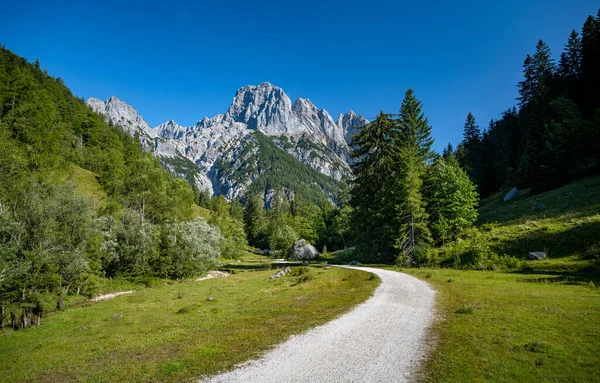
(380, 340)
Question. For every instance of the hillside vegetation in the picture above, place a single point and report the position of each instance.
(82, 201)
(564, 221)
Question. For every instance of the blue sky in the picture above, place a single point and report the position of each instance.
(185, 60)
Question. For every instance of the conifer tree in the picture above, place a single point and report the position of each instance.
(414, 150)
(448, 151)
(375, 154)
(254, 220)
(570, 59)
(472, 158)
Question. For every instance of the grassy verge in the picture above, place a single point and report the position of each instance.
(179, 332)
(513, 327)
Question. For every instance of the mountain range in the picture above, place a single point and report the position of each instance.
(227, 154)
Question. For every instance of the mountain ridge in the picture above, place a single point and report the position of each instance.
(301, 129)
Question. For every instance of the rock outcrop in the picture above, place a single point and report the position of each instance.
(307, 133)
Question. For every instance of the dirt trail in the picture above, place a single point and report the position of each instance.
(380, 340)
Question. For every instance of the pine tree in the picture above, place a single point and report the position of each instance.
(375, 154)
(543, 69)
(414, 128)
(472, 158)
(254, 220)
(448, 151)
(414, 143)
(570, 60)
(526, 86)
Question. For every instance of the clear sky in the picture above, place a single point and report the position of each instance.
(185, 60)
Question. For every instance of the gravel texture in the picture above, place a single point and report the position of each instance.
(380, 340)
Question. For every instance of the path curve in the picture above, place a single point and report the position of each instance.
(380, 340)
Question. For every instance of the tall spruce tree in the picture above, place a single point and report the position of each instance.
(414, 150)
(254, 220)
(375, 167)
(472, 158)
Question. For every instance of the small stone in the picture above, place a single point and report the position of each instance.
(211, 299)
(511, 194)
(118, 316)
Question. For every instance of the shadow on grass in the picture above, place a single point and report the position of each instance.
(583, 239)
(246, 267)
(567, 277)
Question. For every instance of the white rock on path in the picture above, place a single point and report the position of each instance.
(380, 340)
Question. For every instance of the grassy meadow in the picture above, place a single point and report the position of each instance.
(536, 322)
(180, 331)
(512, 327)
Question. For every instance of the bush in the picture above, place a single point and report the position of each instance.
(283, 238)
(189, 248)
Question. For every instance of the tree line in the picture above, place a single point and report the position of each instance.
(553, 135)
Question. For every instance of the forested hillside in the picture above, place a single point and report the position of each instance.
(80, 200)
(409, 201)
(553, 135)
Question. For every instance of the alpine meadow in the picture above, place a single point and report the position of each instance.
(273, 242)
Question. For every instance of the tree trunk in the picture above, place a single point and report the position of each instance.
(2, 313)
(13, 320)
(38, 311)
(25, 319)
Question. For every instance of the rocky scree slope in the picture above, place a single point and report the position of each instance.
(221, 153)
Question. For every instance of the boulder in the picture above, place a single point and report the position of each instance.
(537, 255)
(303, 250)
(281, 273)
(511, 194)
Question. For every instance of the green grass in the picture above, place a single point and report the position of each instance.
(568, 226)
(175, 332)
(511, 327)
(577, 198)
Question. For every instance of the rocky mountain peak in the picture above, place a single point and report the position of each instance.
(349, 121)
(120, 113)
(170, 130)
(263, 107)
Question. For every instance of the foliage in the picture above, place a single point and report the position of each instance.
(190, 248)
(81, 200)
(390, 159)
(451, 198)
(233, 243)
(553, 137)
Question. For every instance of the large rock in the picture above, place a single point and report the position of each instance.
(303, 250)
(537, 255)
(511, 194)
